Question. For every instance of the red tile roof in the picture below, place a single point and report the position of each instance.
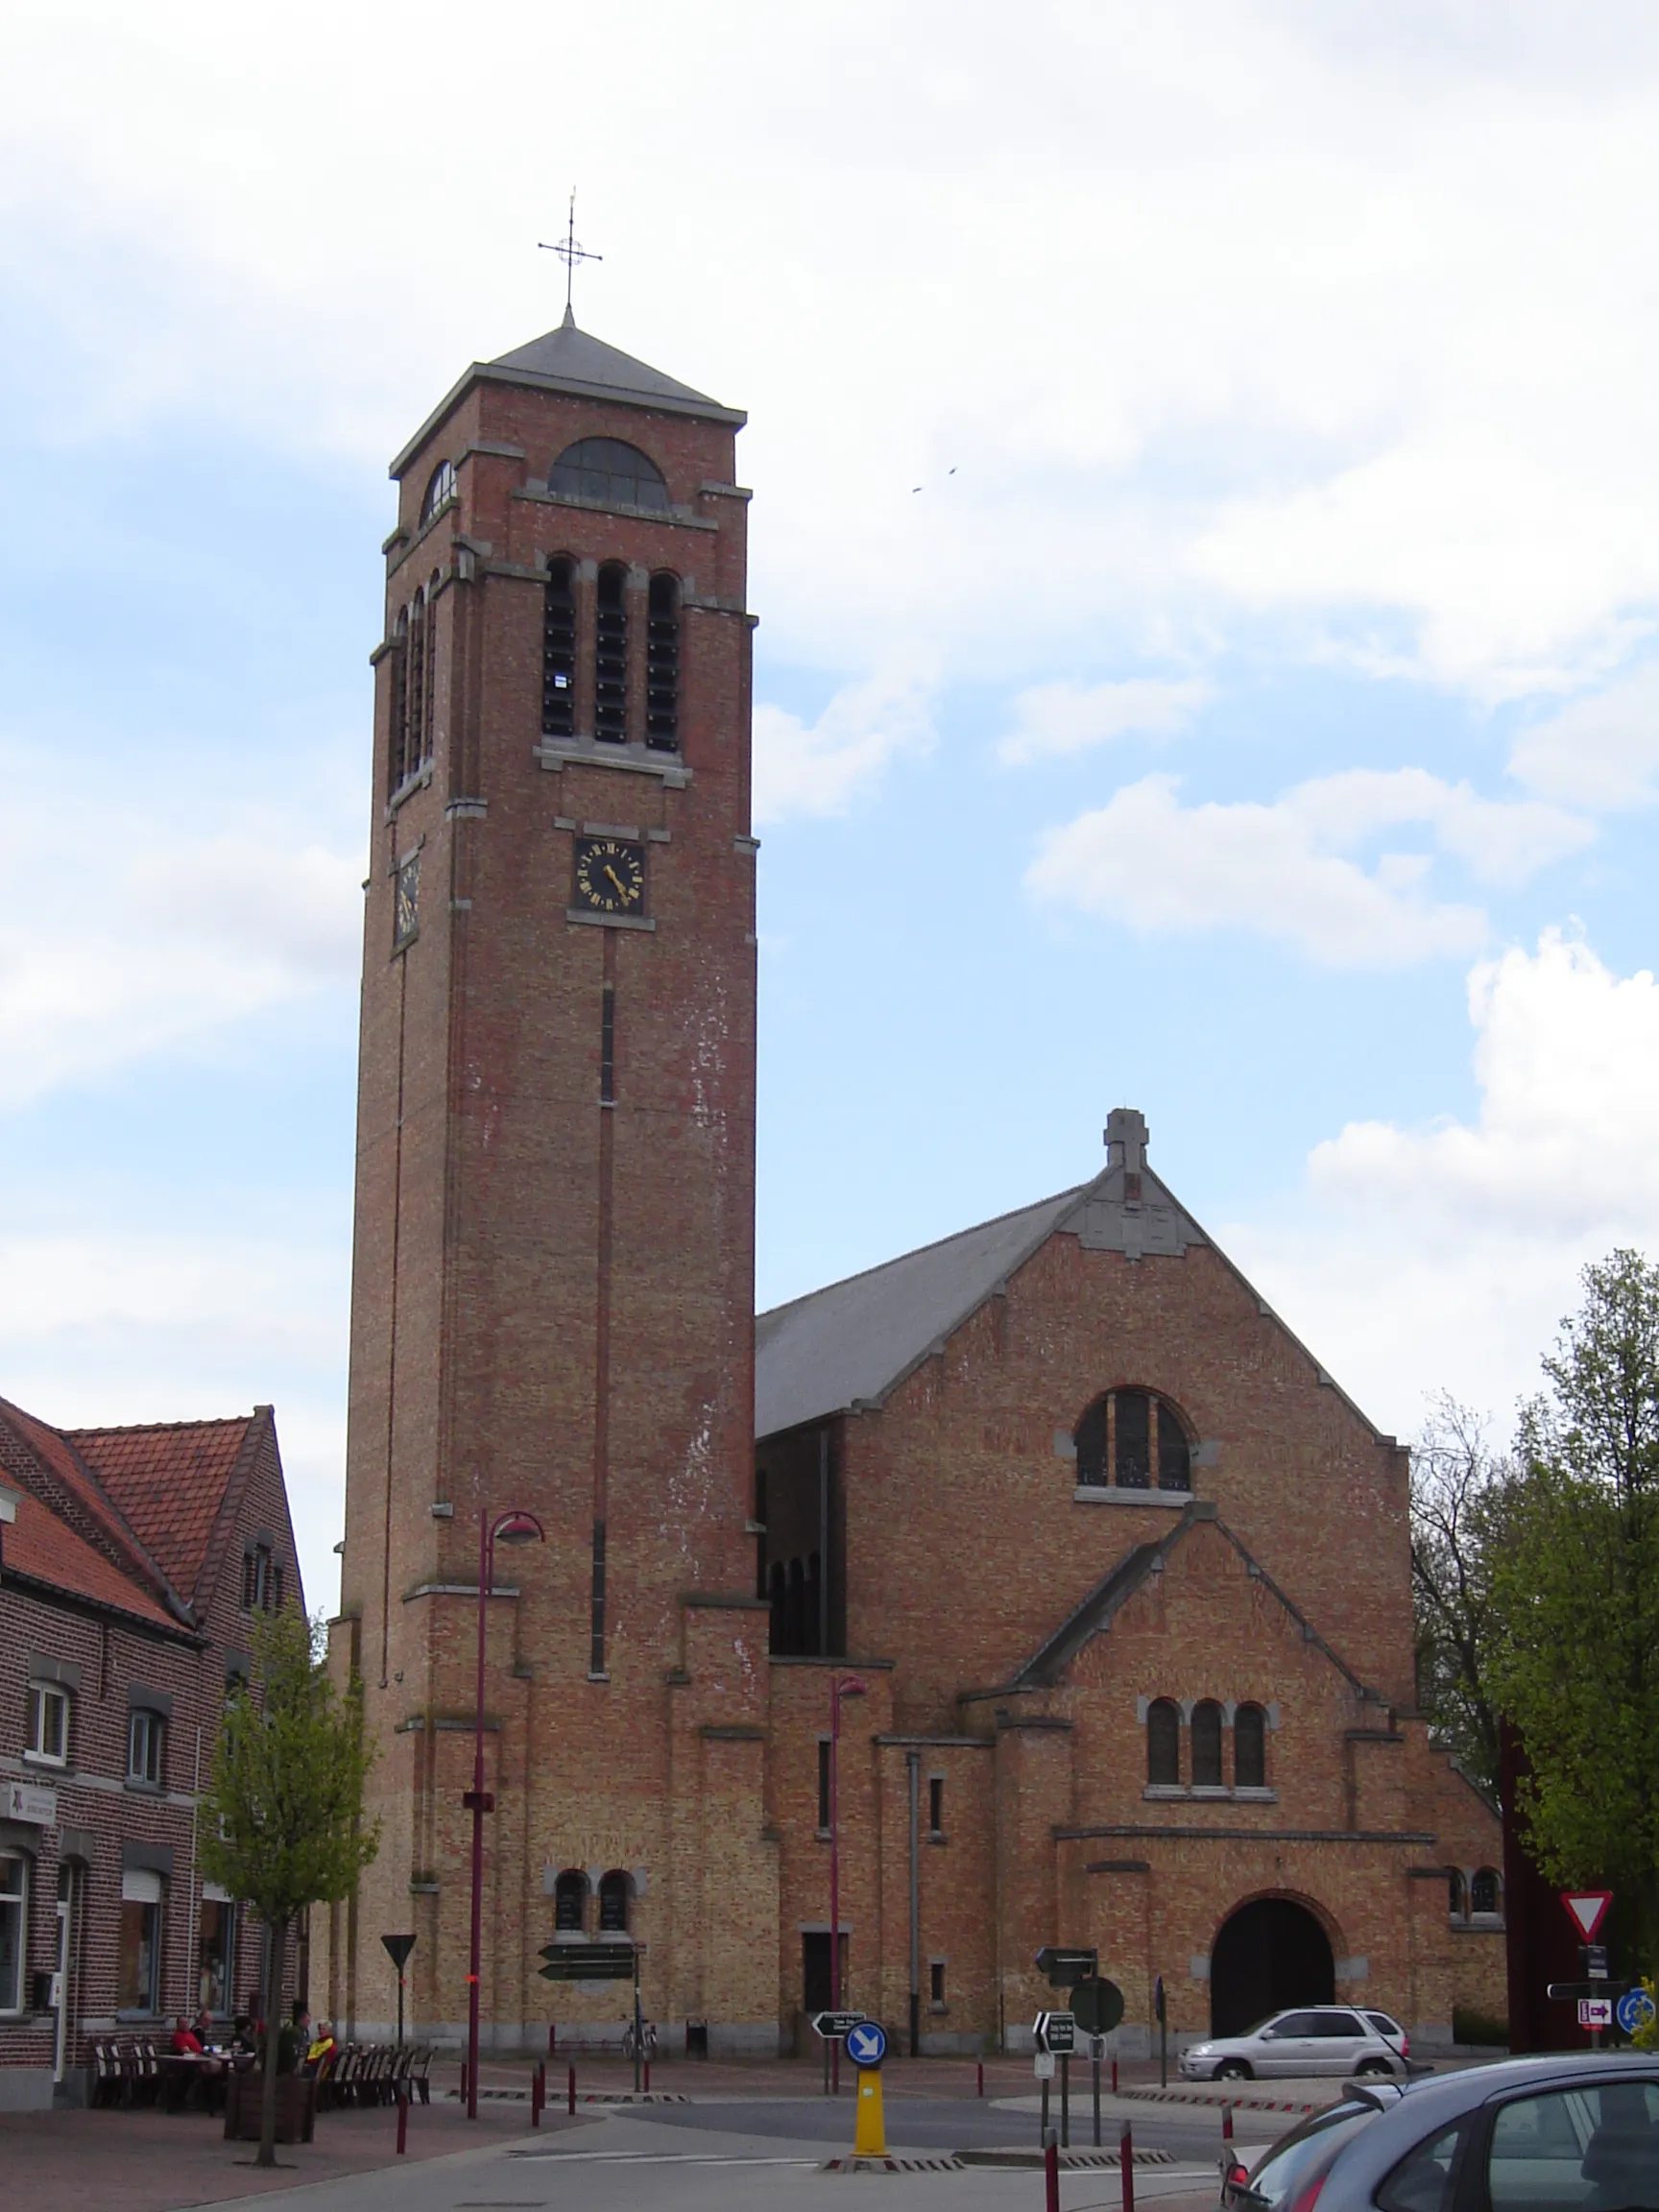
(169, 1480)
(71, 1490)
(40, 1543)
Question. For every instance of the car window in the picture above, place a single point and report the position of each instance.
(1384, 2024)
(1292, 2024)
(1336, 2024)
(1303, 2155)
(1584, 2149)
(1423, 2179)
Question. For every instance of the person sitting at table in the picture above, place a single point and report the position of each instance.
(243, 2044)
(293, 2040)
(322, 2049)
(187, 2044)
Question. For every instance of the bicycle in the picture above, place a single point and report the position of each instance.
(650, 2040)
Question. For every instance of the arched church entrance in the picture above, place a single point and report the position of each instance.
(1269, 1953)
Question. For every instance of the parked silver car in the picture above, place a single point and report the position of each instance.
(1565, 2134)
(1316, 2039)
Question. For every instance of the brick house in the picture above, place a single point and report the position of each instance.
(1123, 1574)
(131, 1563)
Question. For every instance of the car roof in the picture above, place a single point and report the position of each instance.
(1478, 2085)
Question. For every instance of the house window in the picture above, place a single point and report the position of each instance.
(1207, 1746)
(614, 1903)
(1457, 1894)
(662, 666)
(569, 1901)
(1133, 1440)
(215, 1954)
(936, 1982)
(823, 1782)
(139, 1952)
(440, 487)
(48, 1724)
(607, 474)
(146, 1748)
(1163, 1744)
(14, 1928)
(559, 650)
(611, 655)
(1485, 1892)
(261, 1575)
(936, 1806)
(1250, 1748)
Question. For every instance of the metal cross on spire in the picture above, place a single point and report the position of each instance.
(569, 251)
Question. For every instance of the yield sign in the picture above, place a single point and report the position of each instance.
(1588, 1909)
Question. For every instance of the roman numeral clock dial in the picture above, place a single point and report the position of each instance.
(610, 875)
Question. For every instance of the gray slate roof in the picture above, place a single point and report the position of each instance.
(572, 359)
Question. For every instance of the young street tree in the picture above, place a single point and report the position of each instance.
(1460, 1489)
(282, 1819)
(1574, 1662)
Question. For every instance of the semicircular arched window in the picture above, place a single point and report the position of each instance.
(1207, 1746)
(615, 1890)
(1485, 1892)
(1133, 1440)
(607, 474)
(569, 1901)
(441, 486)
(1163, 1744)
(1250, 1748)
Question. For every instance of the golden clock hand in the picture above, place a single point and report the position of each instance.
(622, 887)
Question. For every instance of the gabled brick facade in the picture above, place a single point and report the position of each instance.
(122, 1587)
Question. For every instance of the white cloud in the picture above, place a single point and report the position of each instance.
(1445, 1255)
(1055, 719)
(1288, 870)
(188, 933)
(1602, 751)
(822, 767)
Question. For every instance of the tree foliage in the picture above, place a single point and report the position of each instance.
(282, 1819)
(1574, 1590)
(1459, 1492)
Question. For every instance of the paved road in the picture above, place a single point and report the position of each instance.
(953, 2124)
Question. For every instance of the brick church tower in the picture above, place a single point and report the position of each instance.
(552, 1295)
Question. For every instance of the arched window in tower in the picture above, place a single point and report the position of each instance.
(415, 693)
(662, 666)
(559, 650)
(397, 726)
(606, 472)
(429, 694)
(1163, 1744)
(1249, 1749)
(611, 655)
(569, 1901)
(1485, 1892)
(440, 487)
(613, 1893)
(1207, 1746)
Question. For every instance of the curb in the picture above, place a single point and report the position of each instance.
(1215, 2103)
(996, 2155)
(947, 2162)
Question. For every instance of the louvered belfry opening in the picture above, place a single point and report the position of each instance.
(611, 655)
(559, 650)
(662, 666)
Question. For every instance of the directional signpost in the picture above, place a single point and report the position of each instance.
(833, 2026)
(1633, 2010)
(1587, 1909)
(1098, 2007)
(1064, 1967)
(867, 2046)
(1595, 2013)
(398, 1950)
(600, 1962)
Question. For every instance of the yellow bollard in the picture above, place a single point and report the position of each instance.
(869, 2135)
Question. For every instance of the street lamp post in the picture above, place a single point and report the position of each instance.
(506, 1528)
(840, 1686)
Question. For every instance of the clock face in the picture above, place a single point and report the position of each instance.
(407, 911)
(610, 875)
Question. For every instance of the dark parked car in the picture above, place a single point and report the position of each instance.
(1568, 2134)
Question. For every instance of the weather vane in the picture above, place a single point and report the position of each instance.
(569, 251)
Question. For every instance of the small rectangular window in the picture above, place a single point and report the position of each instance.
(936, 1804)
(146, 1748)
(139, 1952)
(48, 1724)
(823, 1782)
(14, 1926)
(936, 1982)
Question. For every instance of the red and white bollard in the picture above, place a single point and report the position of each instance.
(1227, 2123)
(1051, 2169)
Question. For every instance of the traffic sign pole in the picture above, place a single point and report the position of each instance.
(1065, 2100)
(1096, 2065)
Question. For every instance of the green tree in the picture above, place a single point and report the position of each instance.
(282, 1820)
(1459, 1492)
(1574, 1661)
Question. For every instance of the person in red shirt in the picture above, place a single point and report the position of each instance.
(186, 2043)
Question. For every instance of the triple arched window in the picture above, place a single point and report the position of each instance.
(593, 636)
(1206, 1728)
(1133, 1440)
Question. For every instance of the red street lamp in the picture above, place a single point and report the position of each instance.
(840, 1686)
(506, 1528)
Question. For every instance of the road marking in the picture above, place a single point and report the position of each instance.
(658, 2158)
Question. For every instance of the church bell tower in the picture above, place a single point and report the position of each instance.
(552, 1292)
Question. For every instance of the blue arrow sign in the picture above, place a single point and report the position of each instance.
(1635, 2008)
(867, 2043)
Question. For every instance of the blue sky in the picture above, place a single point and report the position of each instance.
(1253, 717)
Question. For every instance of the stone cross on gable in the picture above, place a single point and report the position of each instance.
(1126, 1138)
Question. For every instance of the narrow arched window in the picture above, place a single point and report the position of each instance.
(1250, 1748)
(397, 727)
(1207, 1746)
(606, 472)
(441, 486)
(1456, 1894)
(662, 666)
(1485, 1892)
(414, 690)
(1174, 1456)
(1163, 1744)
(569, 1901)
(611, 655)
(429, 698)
(613, 1890)
(1133, 1439)
(559, 650)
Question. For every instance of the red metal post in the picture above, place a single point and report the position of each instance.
(402, 2124)
(1126, 2168)
(1114, 2076)
(486, 1549)
(1226, 2122)
(462, 2080)
(572, 2092)
(1052, 2171)
(834, 1876)
(647, 2077)
(552, 2037)
(979, 2083)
